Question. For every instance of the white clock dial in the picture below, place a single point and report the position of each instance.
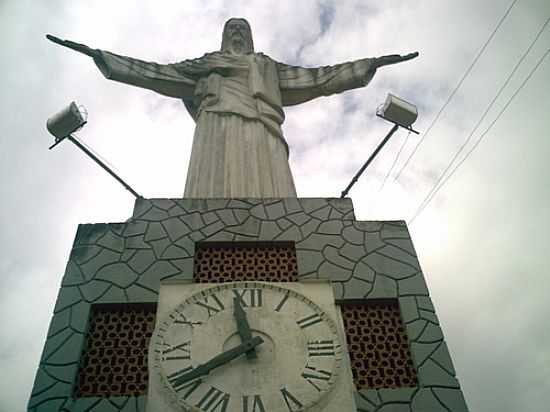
(284, 356)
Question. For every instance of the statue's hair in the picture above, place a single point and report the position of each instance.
(248, 36)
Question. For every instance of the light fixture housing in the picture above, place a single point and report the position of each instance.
(67, 121)
(398, 111)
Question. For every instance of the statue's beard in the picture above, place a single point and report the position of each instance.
(237, 44)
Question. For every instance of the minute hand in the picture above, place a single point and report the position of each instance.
(219, 360)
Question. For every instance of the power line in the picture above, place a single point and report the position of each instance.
(457, 87)
(481, 137)
(489, 107)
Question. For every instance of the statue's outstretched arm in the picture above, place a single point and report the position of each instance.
(392, 59)
(81, 48)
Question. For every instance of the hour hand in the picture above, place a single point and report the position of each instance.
(242, 326)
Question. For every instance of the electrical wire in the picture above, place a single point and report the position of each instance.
(457, 87)
(481, 137)
(489, 107)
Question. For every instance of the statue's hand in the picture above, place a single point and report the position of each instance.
(393, 59)
(82, 48)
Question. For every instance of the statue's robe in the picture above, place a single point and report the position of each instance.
(236, 101)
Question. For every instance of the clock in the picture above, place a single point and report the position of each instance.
(246, 347)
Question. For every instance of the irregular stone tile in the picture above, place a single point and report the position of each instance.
(185, 266)
(395, 230)
(422, 351)
(403, 244)
(431, 374)
(68, 296)
(331, 227)
(119, 401)
(415, 285)
(415, 328)
(292, 205)
(334, 273)
(216, 204)
(389, 267)
(92, 291)
(119, 274)
(127, 255)
(63, 348)
(332, 254)
(227, 217)
(383, 287)
(396, 395)
(88, 234)
(104, 406)
(141, 206)
(155, 232)
(425, 303)
(284, 223)
(373, 242)
(138, 293)
(104, 258)
(73, 275)
(151, 276)
(335, 214)
(175, 228)
(64, 373)
(366, 400)
(352, 252)
(298, 218)
(164, 204)
(309, 227)
(113, 295)
(349, 216)
(213, 228)
(251, 227)
(80, 313)
(210, 217)
(59, 322)
(193, 220)
(196, 236)
(322, 213)
(397, 254)
(311, 204)
(429, 316)
(83, 254)
(221, 236)
(159, 246)
(175, 252)
(353, 236)
(317, 242)
(453, 399)
(241, 215)
(291, 234)
(424, 400)
(368, 226)
(394, 407)
(154, 215)
(134, 228)
(408, 309)
(259, 212)
(432, 333)
(309, 260)
(142, 260)
(238, 204)
(177, 211)
(110, 241)
(194, 205)
(269, 231)
(42, 383)
(363, 272)
(136, 242)
(275, 210)
(443, 358)
(53, 404)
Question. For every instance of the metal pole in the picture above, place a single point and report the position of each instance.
(369, 160)
(103, 165)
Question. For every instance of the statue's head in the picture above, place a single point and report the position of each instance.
(237, 36)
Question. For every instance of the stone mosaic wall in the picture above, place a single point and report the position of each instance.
(125, 262)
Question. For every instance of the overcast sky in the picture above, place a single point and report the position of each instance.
(481, 241)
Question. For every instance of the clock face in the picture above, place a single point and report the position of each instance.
(246, 347)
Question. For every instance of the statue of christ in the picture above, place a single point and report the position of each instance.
(236, 97)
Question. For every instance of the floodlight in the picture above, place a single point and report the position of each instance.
(398, 111)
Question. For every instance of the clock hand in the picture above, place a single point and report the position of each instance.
(219, 360)
(242, 326)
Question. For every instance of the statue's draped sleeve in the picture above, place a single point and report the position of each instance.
(300, 84)
(173, 80)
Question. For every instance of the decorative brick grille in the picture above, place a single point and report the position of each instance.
(114, 361)
(378, 346)
(229, 262)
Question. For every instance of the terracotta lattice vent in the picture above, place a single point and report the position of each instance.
(229, 262)
(378, 345)
(114, 360)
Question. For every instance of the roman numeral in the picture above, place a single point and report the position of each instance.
(212, 309)
(282, 302)
(309, 320)
(181, 319)
(312, 374)
(255, 405)
(291, 401)
(249, 297)
(182, 351)
(321, 348)
(190, 386)
(212, 399)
